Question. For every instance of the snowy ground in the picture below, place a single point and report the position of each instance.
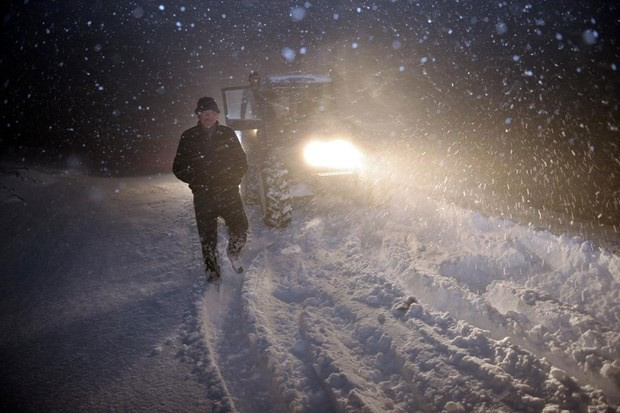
(411, 306)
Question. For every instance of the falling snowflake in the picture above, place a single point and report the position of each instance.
(289, 54)
(590, 37)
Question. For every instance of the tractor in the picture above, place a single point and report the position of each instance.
(290, 130)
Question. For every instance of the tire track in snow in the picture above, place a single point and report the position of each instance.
(377, 343)
(230, 347)
(273, 319)
(431, 360)
(195, 350)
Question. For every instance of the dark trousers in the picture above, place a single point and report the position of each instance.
(210, 205)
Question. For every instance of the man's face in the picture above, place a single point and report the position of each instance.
(207, 118)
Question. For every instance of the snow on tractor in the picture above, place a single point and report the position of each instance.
(289, 128)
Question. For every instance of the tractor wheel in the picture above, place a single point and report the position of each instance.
(277, 200)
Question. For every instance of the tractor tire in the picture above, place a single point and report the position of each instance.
(278, 208)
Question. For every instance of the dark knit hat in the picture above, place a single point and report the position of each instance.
(206, 103)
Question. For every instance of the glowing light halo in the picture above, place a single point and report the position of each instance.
(337, 154)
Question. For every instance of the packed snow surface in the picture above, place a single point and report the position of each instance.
(406, 306)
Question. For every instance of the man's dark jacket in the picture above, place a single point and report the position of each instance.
(215, 163)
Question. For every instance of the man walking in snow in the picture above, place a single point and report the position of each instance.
(210, 159)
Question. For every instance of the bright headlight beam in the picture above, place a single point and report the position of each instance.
(337, 154)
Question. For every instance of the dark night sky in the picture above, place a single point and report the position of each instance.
(116, 80)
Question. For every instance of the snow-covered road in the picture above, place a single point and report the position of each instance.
(96, 294)
(437, 309)
(417, 306)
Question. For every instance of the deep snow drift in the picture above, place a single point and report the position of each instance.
(409, 306)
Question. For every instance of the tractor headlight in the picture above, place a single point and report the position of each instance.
(335, 154)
